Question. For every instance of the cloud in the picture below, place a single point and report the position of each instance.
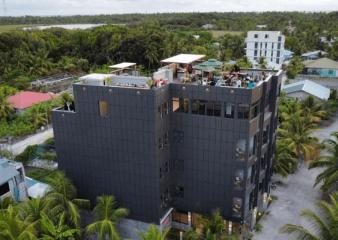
(70, 7)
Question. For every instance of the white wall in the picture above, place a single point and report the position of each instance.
(267, 44)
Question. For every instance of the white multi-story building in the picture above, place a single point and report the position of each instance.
(266, 44)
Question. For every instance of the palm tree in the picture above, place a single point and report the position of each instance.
(37, 117)
(58, 230)
(329, 177)
(62, 199)
(5, 203)
(153, 233)
(296, 135)
(13, 227)
(288, 108)
(285, 160)
(214, 223)
(323, 226)
(31, 211)
(6, 109)
(313, 109)
(106, 216)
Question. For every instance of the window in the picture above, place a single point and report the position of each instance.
(255, 53)
(273, 46)
(253, 173)
(261, 45)
(175, 102)
(159, 111)
(277, 60)
(184, 105)
(254, 110)
(4, 188)
(253, 145)
(240, 149)
(166, 139)
(217, 109)
(179, 191)
(265, 53)
(194, 106)
(264, 161)
(256, 36)
(256, 44)
(266, 45)
(279, 39)
(238, 181)
(165, 108)
(213, 109)
(266, 135)
(237, 207)
(266, 35)
(278, 53)
(201, 107)
(229, 110)
(181, 105)
(279, 45)
(243, 111)
(103, 106)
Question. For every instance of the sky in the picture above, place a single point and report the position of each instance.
(91, 7)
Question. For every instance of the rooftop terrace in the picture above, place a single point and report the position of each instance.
(184, 69)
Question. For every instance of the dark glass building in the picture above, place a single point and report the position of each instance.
(173, 148)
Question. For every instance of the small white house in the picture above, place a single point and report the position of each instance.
(303, 89)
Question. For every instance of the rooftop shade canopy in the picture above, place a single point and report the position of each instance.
(123, 65)
(183, 58)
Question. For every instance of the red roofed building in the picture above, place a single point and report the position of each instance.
(26, 99)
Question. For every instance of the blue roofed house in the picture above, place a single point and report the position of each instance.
(323, 67)
(12, 181)
(303, 89)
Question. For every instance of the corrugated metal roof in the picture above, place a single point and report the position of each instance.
(26, 99)
(325, 63)
(7, 171)
(96, 77)
(307, 54)
(123, 65)
(183, 58)
(310, 87)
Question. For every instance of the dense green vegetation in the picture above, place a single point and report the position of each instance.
(25, 55)
(295, 142)
(32, 119)
(57, 215)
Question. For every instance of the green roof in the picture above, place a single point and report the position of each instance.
(325, 63)
(209, 66)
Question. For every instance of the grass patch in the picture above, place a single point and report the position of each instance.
(41, 174)
(14, 27)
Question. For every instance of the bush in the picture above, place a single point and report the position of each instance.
(27, 155)
(51, 156)
(258, 227)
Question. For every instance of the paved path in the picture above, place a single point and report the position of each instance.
(295, 194)
(38, 138)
